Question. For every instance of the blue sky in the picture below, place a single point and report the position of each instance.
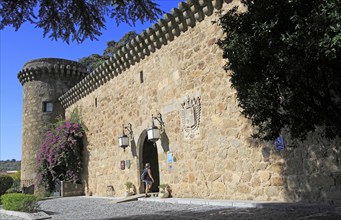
(17, 48)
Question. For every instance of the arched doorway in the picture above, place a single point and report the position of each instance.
(150, 155)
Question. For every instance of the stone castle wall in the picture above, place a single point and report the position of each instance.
(43, 80)
(213, 154)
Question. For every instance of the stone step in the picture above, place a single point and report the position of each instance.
(135, 197)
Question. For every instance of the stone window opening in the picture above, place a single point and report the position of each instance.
(96, 102)
(47, 106)
(141, 77)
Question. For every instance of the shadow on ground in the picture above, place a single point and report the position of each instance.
(244, 213)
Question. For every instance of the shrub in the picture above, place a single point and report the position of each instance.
(5, 183)
(129, 185)
(59, 155)
(163, 187)
(20, 202)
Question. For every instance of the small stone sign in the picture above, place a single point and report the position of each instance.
(170, 158)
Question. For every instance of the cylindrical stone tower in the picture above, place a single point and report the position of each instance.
(43, 81)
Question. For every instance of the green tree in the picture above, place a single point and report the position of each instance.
(94, 60)
(285, 57)
(75, 20)
(113, 46)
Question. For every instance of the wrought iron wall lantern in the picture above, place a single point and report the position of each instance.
(123, 141)
(154, 132)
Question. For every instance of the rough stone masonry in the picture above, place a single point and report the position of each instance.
(175, 68)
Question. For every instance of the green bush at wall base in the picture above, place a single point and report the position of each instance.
(5, 183)
(20, 202)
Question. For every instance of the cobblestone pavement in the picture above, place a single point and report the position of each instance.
(104, 209)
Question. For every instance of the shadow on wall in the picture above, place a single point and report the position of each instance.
(133, 148)
(309, 171)
(85, 171)
(164, 142)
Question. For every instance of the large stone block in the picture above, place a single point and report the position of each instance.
(264, 176)
(277, 181)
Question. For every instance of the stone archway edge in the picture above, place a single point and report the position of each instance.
(173, 24)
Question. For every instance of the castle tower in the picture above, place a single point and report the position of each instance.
(43, 81)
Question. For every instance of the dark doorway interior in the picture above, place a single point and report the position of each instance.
(149, 155)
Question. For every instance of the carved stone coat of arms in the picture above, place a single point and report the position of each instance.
(190, 117)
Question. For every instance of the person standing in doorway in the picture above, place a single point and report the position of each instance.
(149, 180)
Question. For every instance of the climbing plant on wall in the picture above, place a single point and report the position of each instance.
(60, 154)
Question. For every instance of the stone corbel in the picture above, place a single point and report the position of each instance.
(68, 70)
(101, 78)
(116, 63)
(132, 52)
(62, 69)
(148, 41)
(135, 50)
(218, 4)
(159, 34)
(179, 18)
(143, 45)
(114, 71)
(106, 64)
(153, 38)
(172, 24)
(165, 29)
(139, 46)
(122, 68)
(74, 70)
(207, 7)
(123, 58)
(196, 10)
(126, 49)
(188, 15)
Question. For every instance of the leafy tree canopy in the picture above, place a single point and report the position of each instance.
(75, 20)
(94, 60)
(285, 57)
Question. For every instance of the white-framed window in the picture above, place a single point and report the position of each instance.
(47, 106)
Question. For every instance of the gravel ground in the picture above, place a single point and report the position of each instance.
(104, 209)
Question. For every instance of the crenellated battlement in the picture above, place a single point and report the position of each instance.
(34, 69)
(172, 25)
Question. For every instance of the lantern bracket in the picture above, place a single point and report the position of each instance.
(123, 141)
(159, 119)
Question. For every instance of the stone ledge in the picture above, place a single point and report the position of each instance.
(25, 215)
